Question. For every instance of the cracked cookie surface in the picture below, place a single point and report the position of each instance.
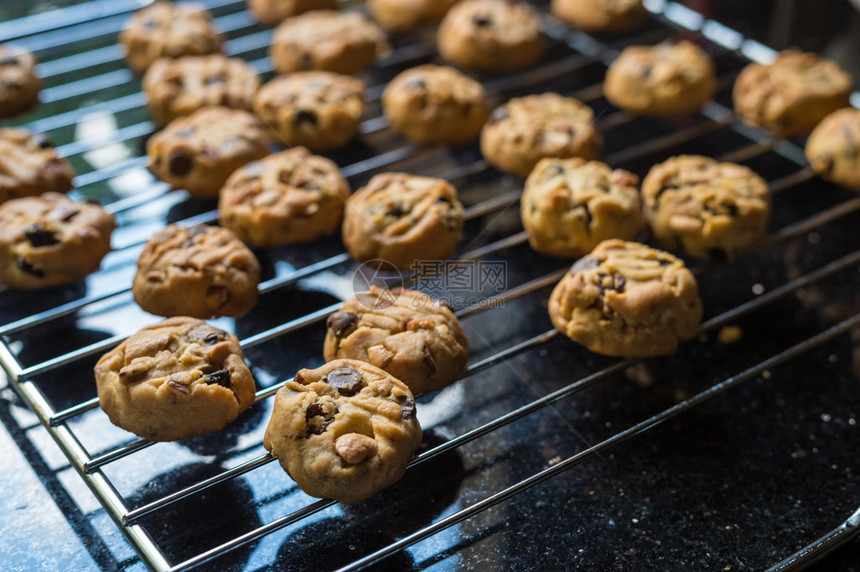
(833, 148)
(19, 84)
(29, 165)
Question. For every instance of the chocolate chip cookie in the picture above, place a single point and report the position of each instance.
(490, 35)
(833, 148)
(168, 30)
(342, 42)
(199, 152)
(49, 240)
(527, 129)
(612, 16)
(400, 218)
(628, 300)
(317, 109)
(19, 84)
(343, 431)
(271, 12)
(570, 205)
(287, 197)
(793, 94)
(408, 334)
(177, 379)
(202, 272)
(29, 166)
(435, 104)
(705, 208)
(666, 79)
(401, 15)
(179, 87)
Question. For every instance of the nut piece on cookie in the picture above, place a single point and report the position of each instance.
(705, 208)
(612, 16)
(271, 12)
(29, 166)
(19, 84)
(202, 272)
(414, 338)
(343, 431)
(402, 15)
(626, 299)
(570, 205)
(177, 379)
(833, 148)
(400, 218)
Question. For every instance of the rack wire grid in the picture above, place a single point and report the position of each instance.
(543, 455)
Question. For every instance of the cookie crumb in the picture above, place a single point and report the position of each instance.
(729, 335)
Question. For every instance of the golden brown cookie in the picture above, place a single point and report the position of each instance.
(29, 166)
(570, 205)
(317, 109)
(490, 35)
(833, 148)
(343, 42)
(271, 12)
(705, 208)
(401, 15)
(287, 197)
(793, 94)
(49, 240)
(168, 30)
(527, 129)
(177, 379)
(343, 431)
(400, 218)
(19, 84)
(613, 16)
(435, 104)
(202, 272)
(408, 334)
(666, 79)
(628, 300)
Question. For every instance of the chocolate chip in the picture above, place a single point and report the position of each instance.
(610, 283)
(9, 61)
(407, 406)
(583, 264)
(220, 377)
(180, 387)
(482, 21)
(341, 322)
(12, 85)
(416, 83)
(43, 141)
(38, 236)
(206, 334)
(220, 293)
(305, 116)
(397, 210)
(312, 414)
(428, 360)
(645, 71)
(307, 60)
(556, 169)
(346, 380)
(24, 266)
(497, 115)
(180, 163)
(586, 214)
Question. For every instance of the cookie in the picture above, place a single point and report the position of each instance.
(406, 333)
(202, 272)
(343, 431)
(49, 240)
(666, 79)
(434, 104)
(569, 206)
(705, 208)
(199, 152)
(612, 16)
(400, 218)
(833, 148)
(317, 109)
(401, 15)
(793, 94)
(527, 129)
(490, 35)
(179, 87)
(626, 299)
(287, 197)
(19, 84)
(29, 166)
(168, 30)
(342, 42)
(271, 12)
(177, 379)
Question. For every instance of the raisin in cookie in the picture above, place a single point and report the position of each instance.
(705, 208)
(490, 35)
(199, 152)
(613, 16)
(793, 94)
(626, 299)
(202, 272)
(401, 15)
(49, 240)
(271, 12)
(177, 379)
(343, 431)
(667, 79)
(408, 334)
(343, 42)
(19, 84)
(434, 104)
(318, 109)
(570, 205)
(287, 197)
(527, 129)
(168, 30)
(833, 149)
(29, 166)
(400, 218)
(179, 87)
